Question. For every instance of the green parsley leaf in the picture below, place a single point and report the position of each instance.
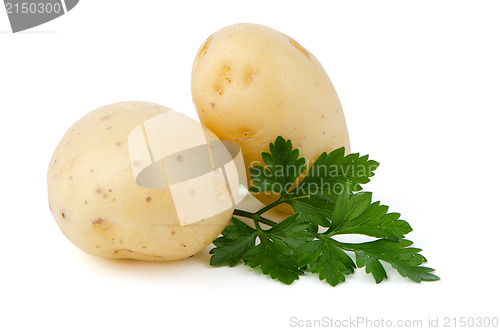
(317, 210)
(291, 232)
(236, 240)
(274, 259)
(283, 166)
(274, 255)
(326, 259)
(405, 259)
(372, 266)
(355, 214)
(332, 172)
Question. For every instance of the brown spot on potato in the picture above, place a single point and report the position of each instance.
(246, 133)
(102, 228)
(218, 89)
(91, 169)
(105, 117)
(118, 143)
(109, 127)
(172, 232)
(298, 46)
(62, 214)
(97, 246)
(179, 158)
(222, 79)
(148, 199)
(193, 192)
(212, 105)
(98, 190)
(183, 245)
(130, 254)
(105, 195)
(85, 202)
(98, 221)
(204, 50)
(70, 177)
(122, 250)
(248, 77)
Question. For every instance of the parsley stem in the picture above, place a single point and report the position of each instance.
(254, 216)
(243, 213)
(270, 206)
(257, 226)
(257, 216)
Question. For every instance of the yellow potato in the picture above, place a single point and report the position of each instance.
(251, 83)
(97, 203)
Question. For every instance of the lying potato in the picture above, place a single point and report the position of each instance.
(97, 203)
(251, 83)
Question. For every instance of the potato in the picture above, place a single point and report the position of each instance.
(97, 204)
(251, 83)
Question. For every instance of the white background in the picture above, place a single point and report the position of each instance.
(419, 82)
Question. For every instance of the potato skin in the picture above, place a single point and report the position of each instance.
(99, 207)
(251, 83)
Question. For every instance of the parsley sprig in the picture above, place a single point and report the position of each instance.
(328, 201)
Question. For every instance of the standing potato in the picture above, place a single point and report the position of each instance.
(95, 200)
(251, 83)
